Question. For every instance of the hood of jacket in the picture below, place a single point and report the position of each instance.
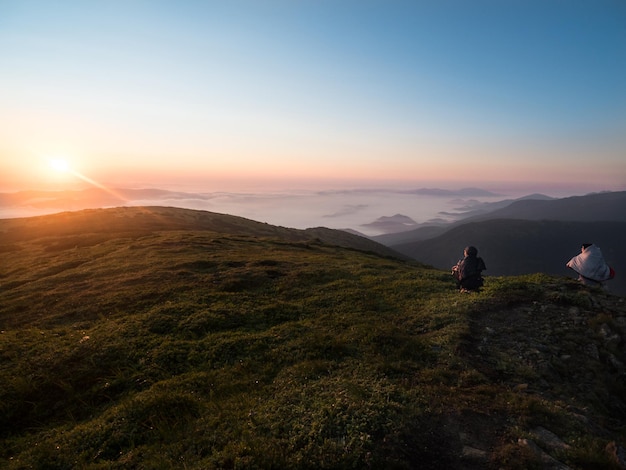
(590, 264)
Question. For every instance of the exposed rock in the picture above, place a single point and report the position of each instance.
(574, 311)
(617, 453)
(592, 351)
(520, 388)
(615, 362)
(473, 454)
(621, 322)
(609, 338)
(546, 459)
(549, 439)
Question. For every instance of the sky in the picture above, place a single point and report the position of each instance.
(210, 95)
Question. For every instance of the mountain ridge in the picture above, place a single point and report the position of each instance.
(605, 206)
(155, 218)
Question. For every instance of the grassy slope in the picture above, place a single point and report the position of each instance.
(127, 345)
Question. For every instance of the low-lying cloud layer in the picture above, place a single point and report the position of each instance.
(370, 211)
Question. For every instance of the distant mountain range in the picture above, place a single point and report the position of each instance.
(400, 228)
(463, 192)
(395, 223)
(608, 206)
(527, 236)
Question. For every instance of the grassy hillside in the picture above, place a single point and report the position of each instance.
(131, 341)
(513, 247)
(89, 227)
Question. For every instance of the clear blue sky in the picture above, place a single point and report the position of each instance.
(457, 92)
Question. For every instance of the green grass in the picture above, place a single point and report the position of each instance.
(199, 349)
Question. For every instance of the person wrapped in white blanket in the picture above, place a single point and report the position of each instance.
(590, 266)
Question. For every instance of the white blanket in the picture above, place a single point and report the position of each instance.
(590, 264)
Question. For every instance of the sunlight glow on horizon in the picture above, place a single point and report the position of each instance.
(62, 166)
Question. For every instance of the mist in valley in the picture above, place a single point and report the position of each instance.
(360, 210)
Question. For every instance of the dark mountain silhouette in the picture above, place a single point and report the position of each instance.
(395, 223)
(588, 208)
(609, 206)
(479, 208)
(424, 232)
(463, 192)
(513, 247)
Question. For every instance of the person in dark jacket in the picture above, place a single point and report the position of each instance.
(468, 271)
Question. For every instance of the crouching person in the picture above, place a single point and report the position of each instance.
(468, 271)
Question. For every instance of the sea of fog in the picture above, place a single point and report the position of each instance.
(338, 209)
(333, 209)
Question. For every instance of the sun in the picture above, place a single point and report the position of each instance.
(63, 171)
(60, 165)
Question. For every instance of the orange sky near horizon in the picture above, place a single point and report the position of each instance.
(325, 163)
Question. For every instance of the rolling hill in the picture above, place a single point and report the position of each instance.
(171, 338)
(89, 226)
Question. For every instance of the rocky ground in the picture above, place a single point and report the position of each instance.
(570, 353)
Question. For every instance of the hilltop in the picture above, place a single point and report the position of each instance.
(172, 338)
(92, 226)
